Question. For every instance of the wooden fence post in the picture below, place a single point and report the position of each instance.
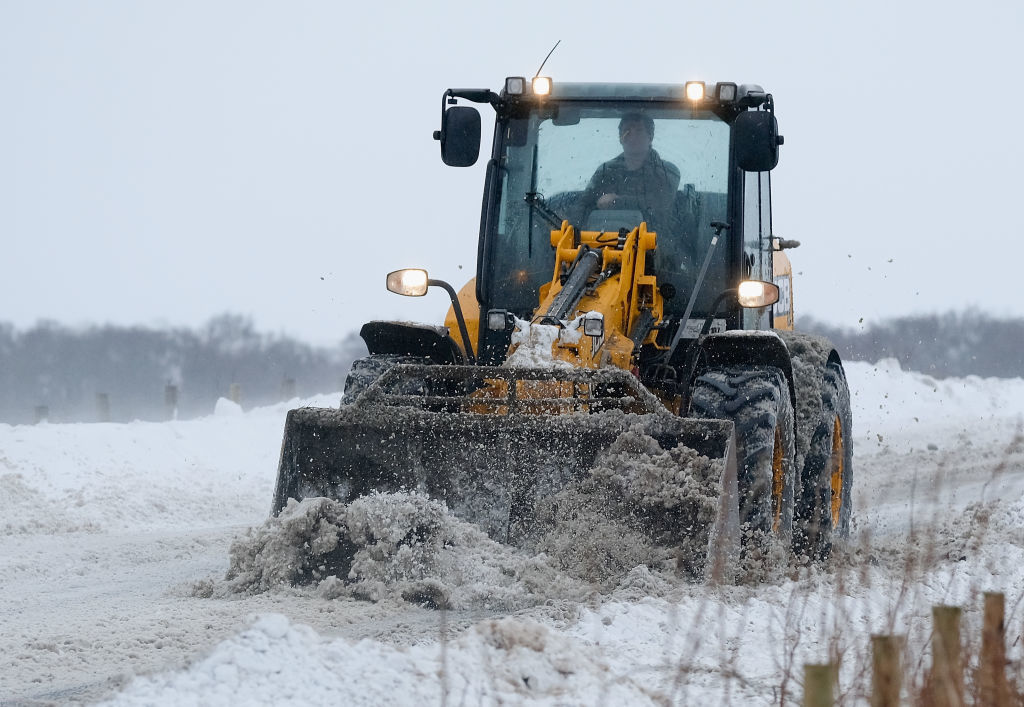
(171, 401)
(994, 691)
(819, 685)
(886, 670)
(947, 677)
(287, 389)
(235, 393)
(102, 407)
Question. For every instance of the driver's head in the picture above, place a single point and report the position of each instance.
(633, 121)
(636, 131)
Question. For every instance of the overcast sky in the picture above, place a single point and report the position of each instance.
(164, 162)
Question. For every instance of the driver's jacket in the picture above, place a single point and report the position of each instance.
(651, 189)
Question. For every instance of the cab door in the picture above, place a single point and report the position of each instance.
(757, 241)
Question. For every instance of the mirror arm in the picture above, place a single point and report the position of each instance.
(463, 331)
(476, 95)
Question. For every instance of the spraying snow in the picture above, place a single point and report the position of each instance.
(399, 546)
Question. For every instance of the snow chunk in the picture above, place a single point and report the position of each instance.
(533, 346)
(400, 546)
(292, 548)
(641, 505)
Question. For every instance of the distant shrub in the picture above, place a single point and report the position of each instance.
(64, 368)
(953, 344)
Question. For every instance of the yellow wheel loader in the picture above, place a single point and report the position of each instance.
(631, 310)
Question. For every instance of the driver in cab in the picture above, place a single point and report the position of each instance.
(636, 180)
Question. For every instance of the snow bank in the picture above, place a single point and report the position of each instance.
(921, 410)
(647, 637)
(211, 471)
(656, 641)
(505, 661)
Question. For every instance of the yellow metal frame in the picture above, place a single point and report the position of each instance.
(782, 273)
(471, 312)
(623, 296)
(837, 471)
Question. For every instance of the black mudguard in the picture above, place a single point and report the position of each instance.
(408, 339)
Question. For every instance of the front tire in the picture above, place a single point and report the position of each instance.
(366, 370)
(757, 400)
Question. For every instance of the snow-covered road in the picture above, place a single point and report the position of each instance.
(113, 535)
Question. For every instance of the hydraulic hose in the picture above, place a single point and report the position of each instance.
(587, 265)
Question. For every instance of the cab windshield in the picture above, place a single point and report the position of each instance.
(606, 166)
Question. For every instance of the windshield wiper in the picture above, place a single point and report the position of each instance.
(719, 226)
(540, 204)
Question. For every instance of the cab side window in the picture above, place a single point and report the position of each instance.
(757, 231)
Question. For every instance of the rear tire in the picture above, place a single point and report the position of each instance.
(825, 505)
(365, 371)
(757, 400)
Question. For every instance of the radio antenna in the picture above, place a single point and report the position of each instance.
(546, 58)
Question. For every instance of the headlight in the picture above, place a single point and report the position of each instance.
(498, 320)
(411, 282)
(756, 293)
(541, 85)
(593, 324)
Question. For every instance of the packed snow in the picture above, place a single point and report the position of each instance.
(533, 344)
(140, 567)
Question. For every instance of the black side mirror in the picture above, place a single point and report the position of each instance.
(460, 136)
(756, 141)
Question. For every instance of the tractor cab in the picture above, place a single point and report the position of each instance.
(691, 161)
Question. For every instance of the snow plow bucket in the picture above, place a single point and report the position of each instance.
(494, 442)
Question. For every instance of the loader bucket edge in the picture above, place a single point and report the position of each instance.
(490, 470)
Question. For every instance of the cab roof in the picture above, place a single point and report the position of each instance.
(747, 95)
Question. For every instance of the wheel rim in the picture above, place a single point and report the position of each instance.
(837, 470)
(778, 480)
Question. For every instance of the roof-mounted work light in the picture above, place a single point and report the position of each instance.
(695, 90)
(541, 86)
(515, 85)
(726, 92)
